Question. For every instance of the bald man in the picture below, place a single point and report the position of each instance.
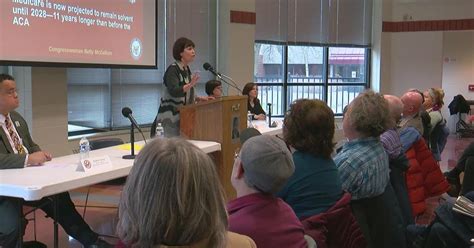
(390, 138)
(412, 102)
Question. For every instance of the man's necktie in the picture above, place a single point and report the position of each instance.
(13, 135)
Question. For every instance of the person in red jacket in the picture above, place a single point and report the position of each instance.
(424, 177)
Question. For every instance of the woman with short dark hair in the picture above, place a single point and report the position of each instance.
(315, 185)
(214, 88)
(253, 104)
(179, 88)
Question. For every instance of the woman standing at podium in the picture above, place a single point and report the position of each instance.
(179, 88)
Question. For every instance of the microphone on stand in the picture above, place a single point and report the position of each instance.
(127, 113)
(208, 67)
(270, 123)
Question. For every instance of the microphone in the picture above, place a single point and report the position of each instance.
(208, 67)
(127, 113)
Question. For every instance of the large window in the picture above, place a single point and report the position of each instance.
(286, 73)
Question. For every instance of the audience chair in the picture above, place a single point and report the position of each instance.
(335, 228)
(381, 220)
(99, 144)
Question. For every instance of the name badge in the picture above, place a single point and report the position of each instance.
(95, 163)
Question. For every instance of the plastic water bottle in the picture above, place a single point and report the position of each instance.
(249, 120)
(84, 148)
(159, 131)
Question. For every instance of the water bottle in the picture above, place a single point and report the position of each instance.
(159, 131)
(249, 120)
(84, 148)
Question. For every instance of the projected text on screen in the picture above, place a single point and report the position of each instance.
(119, 32)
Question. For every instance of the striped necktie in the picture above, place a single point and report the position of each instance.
(14, 136)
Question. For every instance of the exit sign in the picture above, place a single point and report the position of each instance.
(471, 87)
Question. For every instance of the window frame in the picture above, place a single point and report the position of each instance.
(325, 70)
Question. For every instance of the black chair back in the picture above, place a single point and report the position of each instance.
(105, 142)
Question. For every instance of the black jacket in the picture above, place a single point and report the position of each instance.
(459, 105)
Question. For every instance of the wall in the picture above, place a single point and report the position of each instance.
(432, 9)
(49, 109)
(415, 59)
(458, 68)
(236, 43)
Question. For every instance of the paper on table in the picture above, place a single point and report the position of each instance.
(128, 146)
(58, 165)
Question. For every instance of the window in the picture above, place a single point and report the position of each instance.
(285, 73)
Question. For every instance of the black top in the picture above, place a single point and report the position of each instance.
(256, 109)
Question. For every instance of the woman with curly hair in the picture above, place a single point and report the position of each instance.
(315, 186)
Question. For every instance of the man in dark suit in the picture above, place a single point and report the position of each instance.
(17, 150)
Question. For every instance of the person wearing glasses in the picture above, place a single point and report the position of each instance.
(18, 151)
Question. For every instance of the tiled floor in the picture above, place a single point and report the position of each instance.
(103, 220)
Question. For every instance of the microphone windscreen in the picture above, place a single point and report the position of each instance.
(126, 111)
(206, 66)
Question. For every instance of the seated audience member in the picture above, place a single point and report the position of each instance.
(173, 198)
(364, 170)
(398, 162)
(412, 103)
(315, 186)
(18, 151)
(253, 104)
(449, 229)
(391, 138)
(439, 132)
(362, 163)
(424, 178)
(262, 167)
(214, 88)
(465, 164)
(425, 117)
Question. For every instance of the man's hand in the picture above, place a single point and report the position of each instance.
(38, 158)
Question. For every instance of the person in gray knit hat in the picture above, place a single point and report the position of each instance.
(267, 163)
(261, 168)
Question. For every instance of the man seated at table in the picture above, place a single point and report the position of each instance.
(18, 150)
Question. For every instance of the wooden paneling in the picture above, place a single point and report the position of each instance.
(213, 121)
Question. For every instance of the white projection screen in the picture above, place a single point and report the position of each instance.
(101, 33)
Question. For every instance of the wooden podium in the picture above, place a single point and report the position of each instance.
(219, 120)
